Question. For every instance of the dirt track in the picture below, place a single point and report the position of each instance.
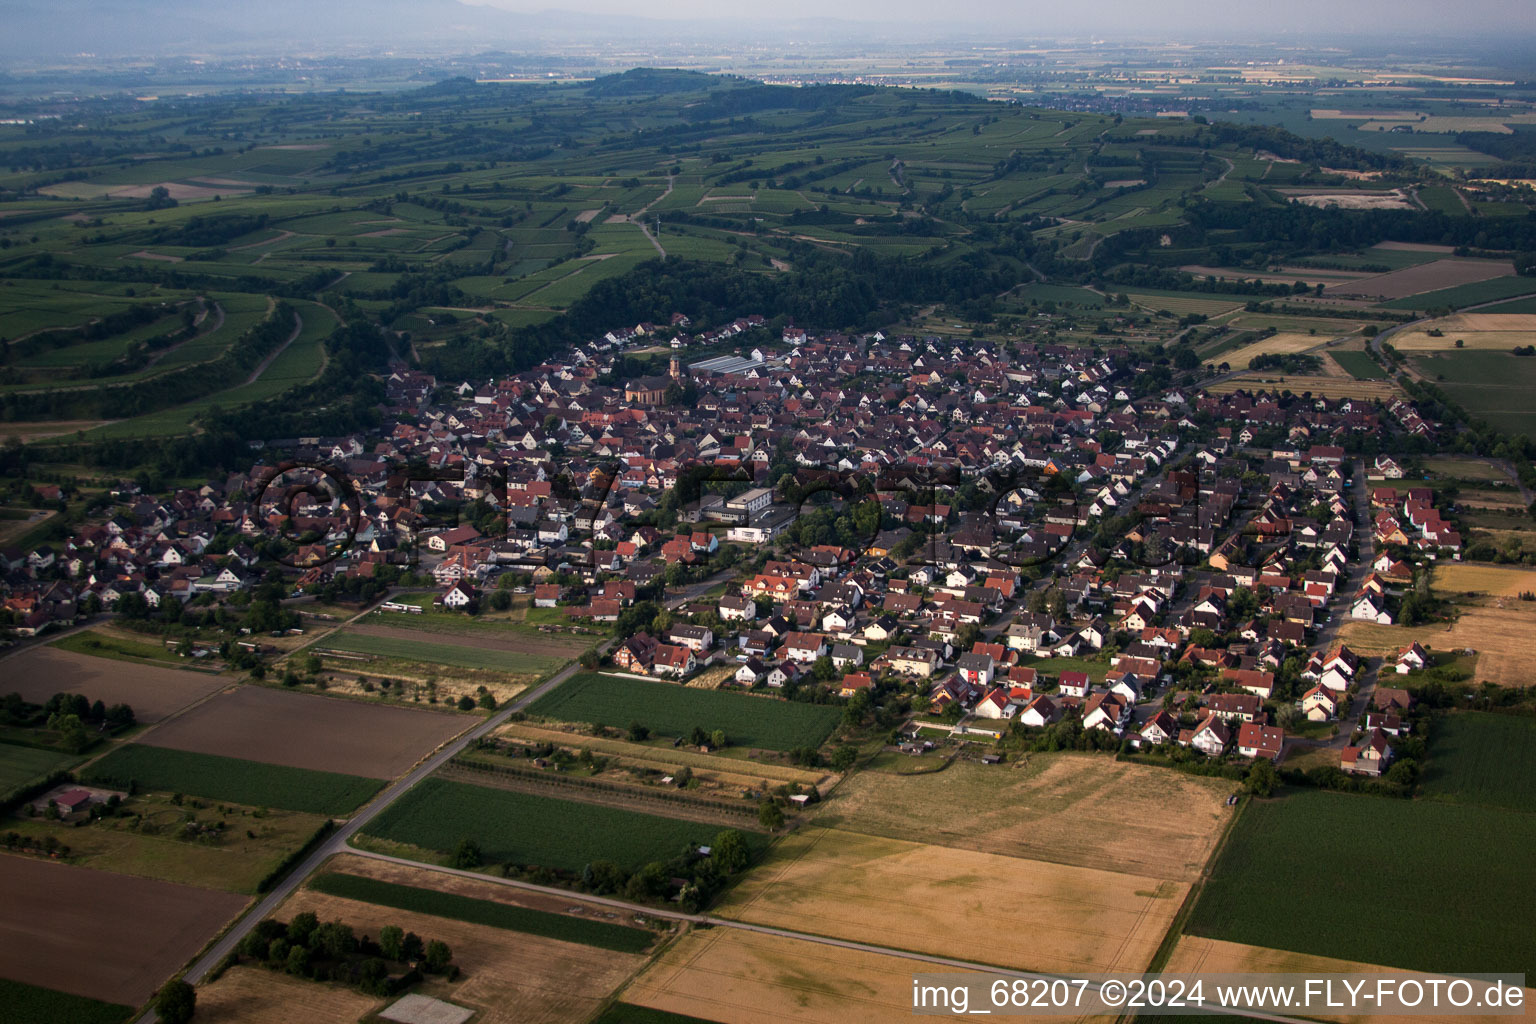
(97, 934)
(308, 731)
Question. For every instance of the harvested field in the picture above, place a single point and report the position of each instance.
(1278, 344)
(508, 976)
(739, 977)
(151, 690)
(303, 731)
(91, 933)
(939, 899)
(1498, 581)
(1064, 808)
(1426, 277)
(255, 995)
(1195, 955)
(1328, 387)
(1393, 200)
(1477, 330)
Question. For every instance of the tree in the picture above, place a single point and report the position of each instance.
(411, 948)
(391, 937)
(717, 739)
(638, 733)
(843, 757)
(770, 815)
(729, 851)
(175, 1002)
(438, 956)
(302, 927)
(1262, 778)
(467, 856)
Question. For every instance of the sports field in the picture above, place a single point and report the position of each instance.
(1310, 857)
(251, 783)
(672, 710)
(1065, 808)
(1014, 913)
(528, 829)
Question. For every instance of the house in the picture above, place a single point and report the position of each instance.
(853, 682)
(1260, 684)
(1160, 728)
(912, 661)
(546, 595)
(976, 669)
(459, 596)
(1256, 740)
(696, 638)
(1387, 698)
(996, 704)
(1108, 711)
(844, 655)
(1234, 707)
(1211, 737)
(751, 672)
(1386, 721)
(1412, 658)
(1370, 608)
(637, 653)
(1073, 684)
(1320, 704)
(804, 647)
(1040, 712)
(1371, 757)
(735, 608)
(673, 660)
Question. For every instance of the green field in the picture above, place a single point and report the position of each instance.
(103, 645)
(440, 653)
(672, 710)
(252, 783)
(549, 925)
(1481, 758)
(21, 1003)
(521, 828)
(1467, 294)
(1360, 365)
(20, 765)
(628, 1013)
(1445, 887)
(1496, 386)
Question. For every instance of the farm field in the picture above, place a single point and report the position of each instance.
(1485, 759)
(1328, 387)
(115, 938)
(1483, 893)
(20, 765)
(1195, 955)
(1477, 330)
(252, 783)
(299, 730)
(21, 1003)
(738, 977)
(673, 710)
(936, 899)
(1359, 364)
(1495, 386)
(257, 841)
(1425, 277)
(1466, 469)
(509, 977)
(491, 913)
(486, 630)
(568, 835)
(1495, 580)
(1276, 344)
(255, 995)
(1473, 294)
(153, 691)
(1062, 808)
(100, 643)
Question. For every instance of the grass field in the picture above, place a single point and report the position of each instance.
(149, 844)
(865, 888)
(1359, 364)
(1064, 808)
(226, 778)
(522, 828)
(460, 655)
(106, 645)
(1268, 889)
(21, 1003)
(1481, 758)
(496, 915)
(20, 765)
(672, 710)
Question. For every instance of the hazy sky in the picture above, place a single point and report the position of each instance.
(1105, 17)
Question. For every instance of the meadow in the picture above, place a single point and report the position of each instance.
(549, 925)
(672, 710)
(521, 828)
(1485, 759)
(226, 778)
(1445, 886)
(21, 1003)
(426, 651)
(20, 765)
